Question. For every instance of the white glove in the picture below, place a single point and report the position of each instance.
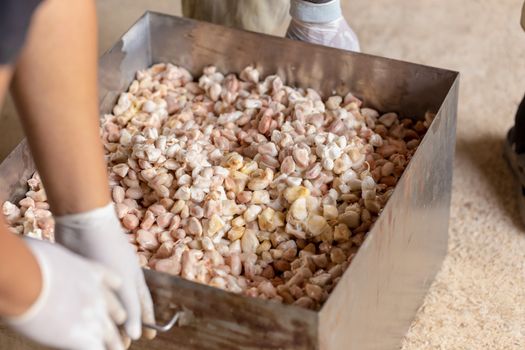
(77, 308)
(97, 235)
(321, 24)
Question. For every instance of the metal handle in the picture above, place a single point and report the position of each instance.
(166, 327)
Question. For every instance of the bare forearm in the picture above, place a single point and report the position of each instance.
(20, 278)
(55, 89)
(5, 77)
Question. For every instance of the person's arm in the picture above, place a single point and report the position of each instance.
(5, 77)
(321, 22)
(20, 278)
(55, 90)
(37, 276)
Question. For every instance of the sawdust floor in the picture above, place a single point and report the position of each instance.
(478, 299)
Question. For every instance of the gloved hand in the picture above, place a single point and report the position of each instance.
(98, 235)
(77, 308)
(321, 23)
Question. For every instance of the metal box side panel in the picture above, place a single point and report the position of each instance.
(377, 298)
(118, 65)
(15, 170)
(225, 320)
(385, 84)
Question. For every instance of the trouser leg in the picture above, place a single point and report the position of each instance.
(519, 128)
(263, 16)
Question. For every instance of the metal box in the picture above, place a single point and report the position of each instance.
(378, 296)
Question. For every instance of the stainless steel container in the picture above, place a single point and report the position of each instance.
(378, 296)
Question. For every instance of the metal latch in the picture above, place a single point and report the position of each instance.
(166, 327)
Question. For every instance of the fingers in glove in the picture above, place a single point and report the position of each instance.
(130, 299)
(112, 338)
(128, 295)
(109, 278)
(94, 345)
(92, 338)
(149, 333)
(115, 308)
(146, 303)
(126, 340)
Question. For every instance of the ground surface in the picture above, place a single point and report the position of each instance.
(478, 299)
